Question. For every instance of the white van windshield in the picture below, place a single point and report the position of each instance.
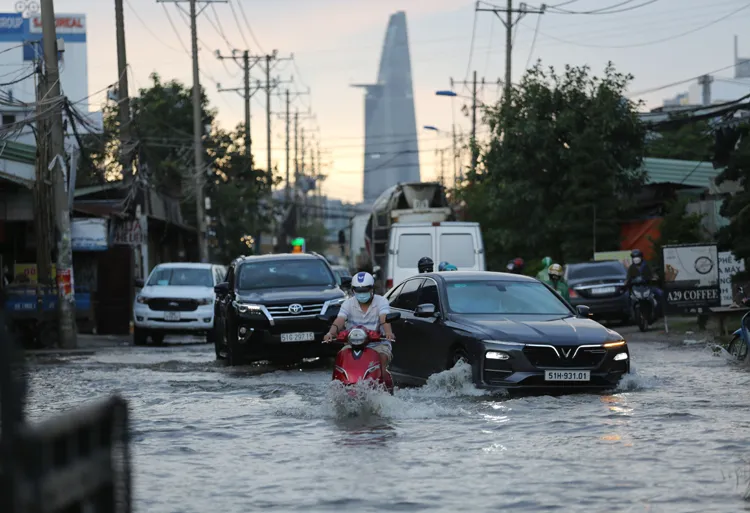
(457, 249)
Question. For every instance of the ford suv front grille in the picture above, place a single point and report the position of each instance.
(292, 310)
(172, 305)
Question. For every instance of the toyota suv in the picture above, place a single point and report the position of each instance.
(267, 308)
(177, 298)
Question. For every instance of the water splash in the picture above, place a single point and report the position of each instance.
(637, 381)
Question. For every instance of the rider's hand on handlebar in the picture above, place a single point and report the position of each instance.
(327, 338)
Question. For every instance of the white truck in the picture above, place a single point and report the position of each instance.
(417, 211)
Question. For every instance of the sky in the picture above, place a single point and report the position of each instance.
(336, 43)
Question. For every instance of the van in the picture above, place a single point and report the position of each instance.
(455, 242)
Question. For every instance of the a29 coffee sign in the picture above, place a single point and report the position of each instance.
(691, 278)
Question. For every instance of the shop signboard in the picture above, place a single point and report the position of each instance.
(691, 278)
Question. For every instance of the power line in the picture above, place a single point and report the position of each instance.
(680, 82)
(656, 41)
(218, 27)
(249, 28)
(239, 27)
(612, 9)
(471, 46)
(174, 28)
(148, 29)
(533, 41)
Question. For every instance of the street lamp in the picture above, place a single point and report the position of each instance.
(453, 94)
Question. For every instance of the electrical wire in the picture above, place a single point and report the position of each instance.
(680, 82)
(533, 41)
(219, 28)
(174, 29)
(471, 45)
(249, 28)
(148, 29)
(21, 79)
(656, 41)
(239, 27)
(612, 9)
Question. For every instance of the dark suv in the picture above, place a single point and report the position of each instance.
(599, 285)
(268, 306)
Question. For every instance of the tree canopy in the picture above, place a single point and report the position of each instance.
(690, 141)
(564, 155)
(736, 207)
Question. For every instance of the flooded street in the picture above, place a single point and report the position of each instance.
(674, 438)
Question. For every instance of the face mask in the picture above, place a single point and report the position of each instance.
(637, 260)
(363, 297)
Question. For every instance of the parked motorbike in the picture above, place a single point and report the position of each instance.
(644, 303)
(359, 362)
(740, 343)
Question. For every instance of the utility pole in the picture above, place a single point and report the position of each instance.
(246, 92)
(509, 23)
(123, 98)
(288, 189)
(473, 142)
(199, 171)
(66, 306)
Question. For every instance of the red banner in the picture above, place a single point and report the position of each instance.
(65, 282)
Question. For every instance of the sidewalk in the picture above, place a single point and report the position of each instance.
(88, 344)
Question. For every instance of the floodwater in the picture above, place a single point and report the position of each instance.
(674, 438)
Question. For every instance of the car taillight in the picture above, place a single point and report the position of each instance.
(388, 284)
(572, 293)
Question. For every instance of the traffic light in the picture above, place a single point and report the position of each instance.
(298, 245)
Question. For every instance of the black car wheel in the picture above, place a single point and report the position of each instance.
(212, 336)
(234, 351)
(140, 337)
(157, 338)
(737, 348)
(219, 349)
(458, 355)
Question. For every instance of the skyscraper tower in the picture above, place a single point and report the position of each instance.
(391, 149)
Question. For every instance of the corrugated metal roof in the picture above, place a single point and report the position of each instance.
(18, 152)
(690, 173)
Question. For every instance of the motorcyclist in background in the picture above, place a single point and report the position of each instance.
(557, 282)
(516, 266)
(425, 265)
(639, 268)
(543, 274)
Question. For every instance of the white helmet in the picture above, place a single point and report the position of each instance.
(362, 280)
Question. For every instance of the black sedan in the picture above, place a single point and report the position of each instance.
(601, 287)
(515, 331)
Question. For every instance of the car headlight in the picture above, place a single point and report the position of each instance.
(332, 302)
(248, 308)
(206, 301)
(142, 300)
(611, 345)
(497, 355)
(621, 356)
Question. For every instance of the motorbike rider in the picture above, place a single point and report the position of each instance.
(543, 274)
(557, 282)
(425, 265)
(639, 268)
(516, 266)
(366, 309)
(445, 266)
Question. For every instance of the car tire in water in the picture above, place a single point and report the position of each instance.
(140, 337)
(737, 348)
(458, 355)
(234, 352)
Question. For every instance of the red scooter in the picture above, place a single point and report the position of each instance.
(359, 362)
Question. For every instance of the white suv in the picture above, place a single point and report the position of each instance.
(176, 298)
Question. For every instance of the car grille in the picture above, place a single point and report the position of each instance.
(284, 312)
(172, 305)
(545, 357)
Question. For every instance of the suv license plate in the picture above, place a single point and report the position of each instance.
(171, 316)
(307, 336)
(555, 375)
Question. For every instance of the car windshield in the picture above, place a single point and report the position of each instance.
(182, 276)
(591, 271)
(504, 297)
(284, 273)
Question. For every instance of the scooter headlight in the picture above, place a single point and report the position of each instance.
(357, 337)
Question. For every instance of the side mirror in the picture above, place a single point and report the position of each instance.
(222, 288)
(139, 283)
(425, 310)
(392, 317)
(584, 311)
(346, 282)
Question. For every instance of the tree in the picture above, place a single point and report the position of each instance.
(564, 156)
(690, 141)
(736, 207)
(677, 227)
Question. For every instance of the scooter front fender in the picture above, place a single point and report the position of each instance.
(738, 333)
